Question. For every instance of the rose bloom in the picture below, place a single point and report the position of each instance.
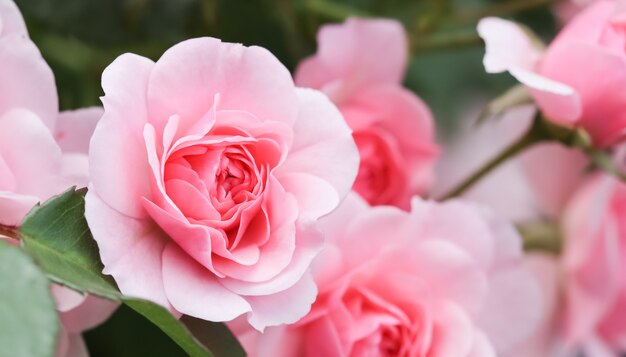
(443, 280)
(42, 153)
(593, 262)
(208, 171)
(360, 65)
(578, 80)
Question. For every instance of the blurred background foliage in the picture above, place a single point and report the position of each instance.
(79, 38)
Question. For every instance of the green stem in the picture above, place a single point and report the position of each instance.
(535, 134)
(9, 231)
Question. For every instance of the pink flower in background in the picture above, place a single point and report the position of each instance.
(33, 165)
(208, 170)
(578, 81)
(594, 262)
(360, 65)
(568, 9)
(447, 280)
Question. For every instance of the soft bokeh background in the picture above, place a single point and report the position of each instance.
(79, 38)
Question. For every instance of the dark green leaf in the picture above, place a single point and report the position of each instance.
(216, 335)
(57, 236)
(28, 319)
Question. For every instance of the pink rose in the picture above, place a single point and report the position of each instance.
(585, 288)
(360, 65)
(42, 153)
(594, 261)
(447, 280)
(578, 81)
(208, 170)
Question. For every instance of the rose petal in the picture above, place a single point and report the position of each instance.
(29, 150)
(130, 249)
(13, 207)
(27, 81)
(194, 290)
(11, 21)
(351, 53)
(285, 307)
(327, 151)
(124, 82)
(88, 314)
(189, 75)
(74, 129)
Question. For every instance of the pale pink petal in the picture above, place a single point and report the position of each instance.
(285, 307)
(327, 151)
(88, 314)
(66, 298)
(11, 21)
(315, 196)
(455, 221)
(449, 272)
(130, 249)
(119, 168)
(14, 206)
(545, 340)
(355, 54)
(513, 295)
(29, 150)
(482, 346)
(27, 81)
(74, 129)
(75, 169)
(188, 76)
(454, 333)
(194, 290)
(507, 46)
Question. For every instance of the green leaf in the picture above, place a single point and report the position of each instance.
(216, 335)
(57, 236)
(28, 318)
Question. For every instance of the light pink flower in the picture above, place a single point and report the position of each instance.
(360, 65)
(42, 153)
(443, 280)
(578, 81)
(208, 169)
(594, 261)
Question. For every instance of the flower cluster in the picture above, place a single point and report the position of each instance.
(301, 209)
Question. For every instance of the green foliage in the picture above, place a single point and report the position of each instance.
(28, 319)
(56, 235)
